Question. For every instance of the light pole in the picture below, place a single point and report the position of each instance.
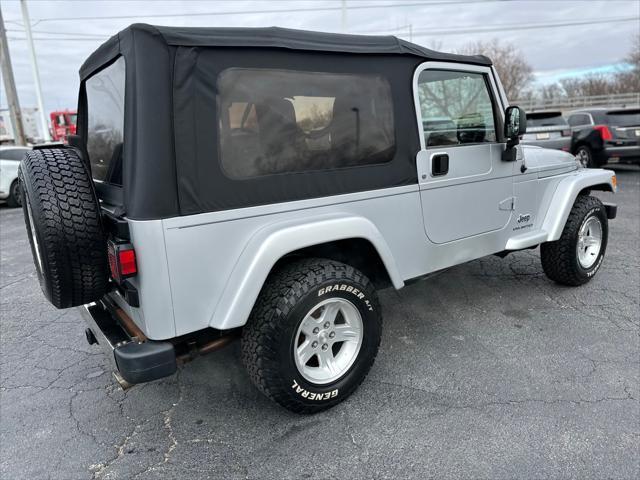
(36, 74)
(10, 87)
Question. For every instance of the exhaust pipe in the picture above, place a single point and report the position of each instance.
(121, 381)
(208, 347)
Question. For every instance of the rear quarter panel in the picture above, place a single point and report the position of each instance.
(207, 253)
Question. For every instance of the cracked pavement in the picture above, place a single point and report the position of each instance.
(488, 370)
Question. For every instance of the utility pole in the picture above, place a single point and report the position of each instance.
(10, 87)
(36, 74)
(343, 19)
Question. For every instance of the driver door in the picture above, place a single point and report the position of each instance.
(465, 187)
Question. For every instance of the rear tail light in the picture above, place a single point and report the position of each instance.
(566, 133)
(122, 260)
(605, 133)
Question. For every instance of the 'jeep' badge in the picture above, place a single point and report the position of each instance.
(523, 221)
(524, 218)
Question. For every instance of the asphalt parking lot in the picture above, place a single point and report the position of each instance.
(486, 371)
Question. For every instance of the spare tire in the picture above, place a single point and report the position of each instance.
(62, 216)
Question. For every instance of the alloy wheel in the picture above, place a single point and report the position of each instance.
(328, 340)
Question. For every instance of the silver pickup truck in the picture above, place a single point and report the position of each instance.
(265, 183)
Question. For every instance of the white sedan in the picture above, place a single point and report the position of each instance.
(10, 157)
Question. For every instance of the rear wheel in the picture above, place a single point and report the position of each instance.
(585, 157)
(15, 195)
(62, 216)
(313, 334)
(576, 257)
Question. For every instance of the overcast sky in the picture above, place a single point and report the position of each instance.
(63, 43)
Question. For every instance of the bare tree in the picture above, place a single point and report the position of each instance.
(628, 80)
(593, 84)
(551, 92)
(572, 86)
(624, 80)
(515, 72)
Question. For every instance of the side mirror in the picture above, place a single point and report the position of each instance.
(515, 124)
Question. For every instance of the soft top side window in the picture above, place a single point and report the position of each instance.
(456, 108)
(284, 121)
(105, 122)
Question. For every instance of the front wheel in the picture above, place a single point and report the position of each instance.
(576, 257)
(313, 334)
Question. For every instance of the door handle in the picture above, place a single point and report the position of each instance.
(439, 164)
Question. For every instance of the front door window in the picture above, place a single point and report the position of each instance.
(456, 108)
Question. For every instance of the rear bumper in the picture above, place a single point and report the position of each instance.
(133, 360)
(629, 153)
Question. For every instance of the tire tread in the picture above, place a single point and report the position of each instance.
(559, 258)
(279, 296)
(69, 225)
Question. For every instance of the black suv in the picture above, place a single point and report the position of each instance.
(604, 135)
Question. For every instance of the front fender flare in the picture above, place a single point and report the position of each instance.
(567, 192)
(271, 242)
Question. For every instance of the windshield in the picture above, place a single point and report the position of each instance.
(72, 119)
(630, 118)
(545, 120)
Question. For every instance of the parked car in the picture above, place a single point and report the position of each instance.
(9, 185)
(265, 183)
(548, 129)
(605, 135)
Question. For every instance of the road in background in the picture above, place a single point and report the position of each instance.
(488, 370)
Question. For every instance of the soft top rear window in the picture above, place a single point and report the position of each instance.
(624, 118)
(105, 126)
(545, 119)
(282, 121)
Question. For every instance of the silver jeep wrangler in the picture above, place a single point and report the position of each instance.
(264, 183)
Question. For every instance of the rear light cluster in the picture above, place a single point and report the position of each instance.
(605, 133)
(122, 260)
(566, 133)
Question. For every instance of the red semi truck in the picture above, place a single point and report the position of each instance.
(63, 124)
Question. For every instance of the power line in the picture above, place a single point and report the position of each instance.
(281, 10)
(58, 39)
(425, 33)
(466, 28)
(519, 26)
(77, 34)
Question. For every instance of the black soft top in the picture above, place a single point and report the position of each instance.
(171, 163)
(274, 37)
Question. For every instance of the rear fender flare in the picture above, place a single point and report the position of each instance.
(271, 242)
